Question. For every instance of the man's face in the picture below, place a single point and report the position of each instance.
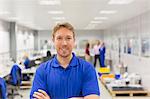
(64, 42)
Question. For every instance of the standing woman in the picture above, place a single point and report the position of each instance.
(87, 53)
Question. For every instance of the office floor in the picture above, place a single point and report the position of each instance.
(104, 94)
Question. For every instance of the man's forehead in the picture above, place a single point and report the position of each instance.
(64, 29)
(61, 32)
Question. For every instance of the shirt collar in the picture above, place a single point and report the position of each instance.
(73, 62)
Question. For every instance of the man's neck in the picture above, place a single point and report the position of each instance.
(64, 61)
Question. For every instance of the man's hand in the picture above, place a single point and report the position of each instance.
(91, 97)
(76, 98)
(41, 95)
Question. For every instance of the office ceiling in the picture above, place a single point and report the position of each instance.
(81, 13)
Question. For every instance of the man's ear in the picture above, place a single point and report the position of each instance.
(75, 45)
(53, 39)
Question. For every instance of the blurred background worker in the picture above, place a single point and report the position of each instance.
(96, 52)
(26, 61)
(87, 53)
(102, 55)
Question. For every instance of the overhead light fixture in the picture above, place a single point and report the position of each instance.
(96, 22)
(55, 12)
(90, 26)
(49, 2)
(57, 22)
(58, 18)
(120, 1)
(100, 18)
(108, 11)
(4, 13)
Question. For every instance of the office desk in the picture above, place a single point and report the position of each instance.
(5, 70)
(29, 71)
(37, 62)
(37, 57)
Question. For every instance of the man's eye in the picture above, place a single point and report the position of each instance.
(69, 38)
(59, 38)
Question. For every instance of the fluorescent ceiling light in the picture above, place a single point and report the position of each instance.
(100, 18)
(4, 13)
(55, 12)
(108, 11)
(58, 18)
(91, 26)
(96, 22)
(120, 1)
(57, 22)
(49, 2)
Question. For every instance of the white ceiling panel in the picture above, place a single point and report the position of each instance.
(78, 12)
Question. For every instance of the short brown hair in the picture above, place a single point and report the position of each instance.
(63, 25)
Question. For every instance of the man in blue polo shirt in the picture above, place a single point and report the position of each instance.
(65, 76)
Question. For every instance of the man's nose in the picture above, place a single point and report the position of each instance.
(64, 42)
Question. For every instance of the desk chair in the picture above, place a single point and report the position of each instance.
(2, 89)
(14, 81)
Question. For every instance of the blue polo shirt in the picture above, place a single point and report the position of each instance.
(77, 80)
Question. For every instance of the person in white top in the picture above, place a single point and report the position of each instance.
(96, 53)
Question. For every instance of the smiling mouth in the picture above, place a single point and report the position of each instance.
(64, 50)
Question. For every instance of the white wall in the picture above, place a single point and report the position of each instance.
(137, 28)
(4, 41)
(25, 41)
(42, 36)
(88, 35)
(4, 37)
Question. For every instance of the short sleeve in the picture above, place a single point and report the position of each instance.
(39, 81)
(90, 81)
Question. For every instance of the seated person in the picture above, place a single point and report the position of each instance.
(26, 62)
(48, 56)
(48, 53)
